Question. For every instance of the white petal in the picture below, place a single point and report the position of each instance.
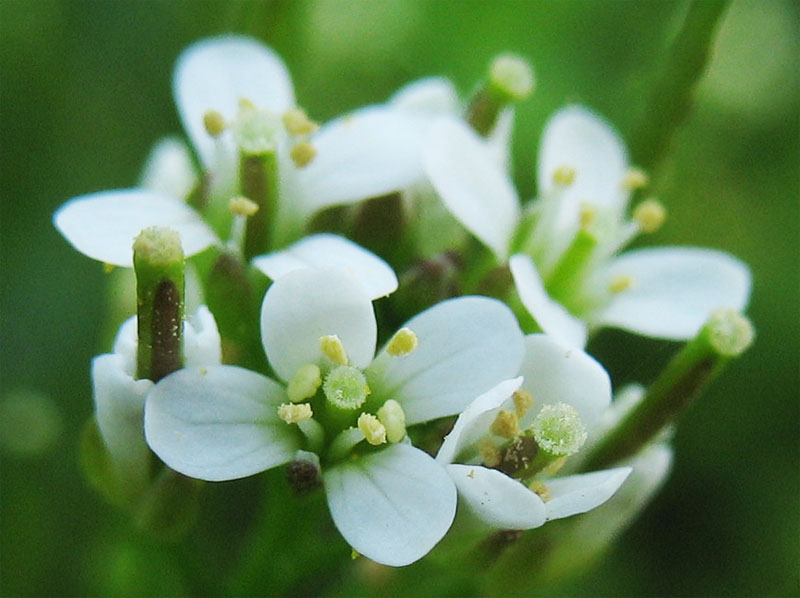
(307, 304)
(393, 505)
(551, 316)
(474, 421)
(583, 492)
(429, 96)
(675, 289)
(104, 225)
(372, 152)
(214, 74)
(466, 346)
(169, 169)
(465, 174)
(201, 340)
(579, 138)
(218, 423)
(498, 500)
(558, 373)
(119, 406)
(332, 251)
(126, 345)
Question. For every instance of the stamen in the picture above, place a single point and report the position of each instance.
(730, 333)
(540, 489)
(293, 413)
(650, 215)
(512, 76)
(214, 123)
(302, 154)
(620, 283)
(305, 383)
(490, 455)
(297, 122)
(634, 179)
(564, 175)
(346, 388)
(588, 214)
(393, 418)
(555, 466)
(373, 430)
(505, 425)
(523, 401)
(333, 349)
(245, 104)
(402, 343)
(558, 430)
(108, 268)
(241, 206)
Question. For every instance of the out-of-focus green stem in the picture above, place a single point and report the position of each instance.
(671, 96)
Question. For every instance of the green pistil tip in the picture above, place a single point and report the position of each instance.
(346, 387)
(158, 246)
(558, 430)
(512, 76)
(256, 131)
(304, 384)
(729, 332)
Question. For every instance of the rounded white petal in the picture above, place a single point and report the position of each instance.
(214, 74)
(169, 169)
(305, 305)
(119, 407)
(430, 96)
(126, 344)
(473, 423)
(558, 373)
(674, 290)
(392, 506)
(466, 346)
(218, 423)
(496, 499)
(201, 340)
(580, 493)
(465, 173)
(577, 137)
(371, 152)
(104, 225)
(332, 251)
(551, 316)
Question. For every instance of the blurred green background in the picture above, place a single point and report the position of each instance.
(85, 91)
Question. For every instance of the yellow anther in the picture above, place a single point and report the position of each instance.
(241, 206)
(302, 153)
(108, 268)
(245, 104)
(393, 418)
(354, 554)
(490, 456)
(293, 413)
(297, 122)
(588, 214)
(620, 283)
(650, 215)
(523, 401)
(634, 179)
(402, 343)
(564, 175)
(555, 466)
(506, 424)
(214, 123)
(332, 347)
(305, 383)
(540, 489)
(373, 430)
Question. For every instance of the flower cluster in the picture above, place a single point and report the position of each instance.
(480, 405)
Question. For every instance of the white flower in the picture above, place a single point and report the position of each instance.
(558, 379)
(369, 153)
(120, 398)
(391, 501)
(564, 250)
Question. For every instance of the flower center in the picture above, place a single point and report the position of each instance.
(346, 387)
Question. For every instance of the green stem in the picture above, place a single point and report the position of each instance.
(726, 335)
(671, 97)
(159, 265)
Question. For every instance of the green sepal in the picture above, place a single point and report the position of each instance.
(169, 508)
